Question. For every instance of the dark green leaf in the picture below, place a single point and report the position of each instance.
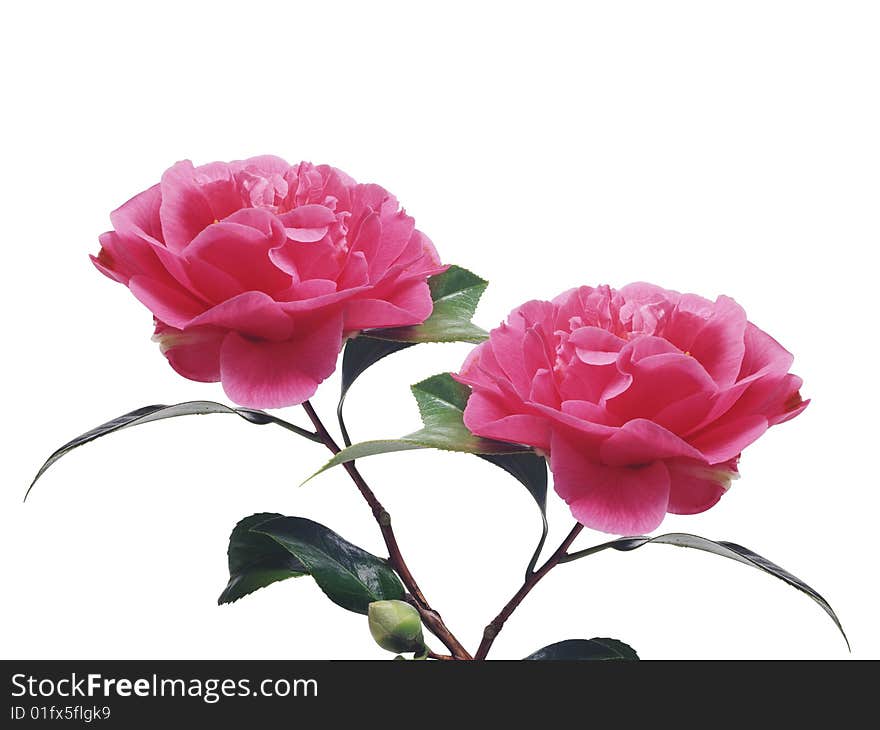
(585, 649)
(456, 293)
(351, 577)
(441, 402)
(256, 560)
(724, 549)
(361, 353)
(530, 470)
(159, 412)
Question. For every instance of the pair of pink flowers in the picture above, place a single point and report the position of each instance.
(257, 271)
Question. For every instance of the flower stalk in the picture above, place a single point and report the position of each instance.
(432, 620)
(490, 633)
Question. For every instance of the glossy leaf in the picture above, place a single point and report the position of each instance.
(585, 650)
(530, 470)
(441, 401)
(350, 576)
(363, 352)
(728, 550)
(147, 414)
(257, 560)
(455, 293)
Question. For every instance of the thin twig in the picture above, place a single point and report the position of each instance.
(494, 627)
(441, 657)
(430, 617)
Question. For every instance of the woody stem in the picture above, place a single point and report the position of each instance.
(494, 627)
(430, 617)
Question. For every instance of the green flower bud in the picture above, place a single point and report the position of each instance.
(396, 626)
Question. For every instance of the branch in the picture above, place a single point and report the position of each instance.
(430, 617)
(494, 627)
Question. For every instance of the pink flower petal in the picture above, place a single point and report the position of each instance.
(184, 211)
(193, 353)
(487, 416)
(686, 320)
(321, 301)
(696, 487)
(587, 411)
(261, 374)
(619, 500)
(355, 272)
(308, 223)
(589, 436)
(242, 251)
(596, 346)
(640, 442)
(169, 303)
(683, 416)
(253, 314)
(659, 379)
(544, 390)
(396, 232)
(763, 353)
(265, 165)
(406, 305)
(129, 256)
(719, 345)
(107, 271)
(140, 215)
(317, 260)
(723, 441)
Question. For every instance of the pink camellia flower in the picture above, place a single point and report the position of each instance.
(642, 398)
(257, 270)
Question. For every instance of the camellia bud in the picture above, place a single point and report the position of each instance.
(396, 626)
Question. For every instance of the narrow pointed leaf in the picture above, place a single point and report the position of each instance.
(350, 576)
(147, 414)
(441, 401)
(585, 650)
(530, 470)
(728, 550)
(363, 352)
(256, 560)
(527, 468)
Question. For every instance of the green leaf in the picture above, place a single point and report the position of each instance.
(351, 577)
(148, 414)
(441, 401)
(456, 293)
(527, 468)
(256, 560)
(585, 650)
(530, 470)
(724, 549)
(361, 353)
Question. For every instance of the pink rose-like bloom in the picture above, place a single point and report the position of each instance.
(642, 398)
(257, 270)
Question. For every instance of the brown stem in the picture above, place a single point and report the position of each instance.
(441, 657)
(494, 627)
(430, 617)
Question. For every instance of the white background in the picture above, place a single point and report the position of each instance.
(708, 147)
